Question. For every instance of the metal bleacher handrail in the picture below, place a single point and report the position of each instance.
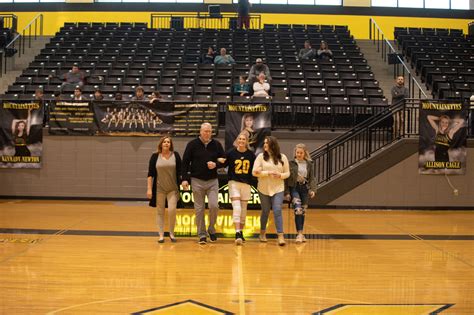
(199, 20)
(368, 137)
(362, 141)
(30, 31)
(388, 52)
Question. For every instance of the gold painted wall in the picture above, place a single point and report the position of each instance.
(358, 25)
(356, 3)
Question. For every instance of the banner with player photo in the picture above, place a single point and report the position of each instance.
(255, 120)
(443, 133)
(137, 118)
(21, 134)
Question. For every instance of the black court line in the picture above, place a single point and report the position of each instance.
(401, 237)
(183, 302)
(335, 307)
(312, 207)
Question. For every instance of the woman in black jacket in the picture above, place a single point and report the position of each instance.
(164, 176)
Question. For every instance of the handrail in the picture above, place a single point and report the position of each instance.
(369, 121)
(412, 82)
(365, 139)
(199, 20)
(20, 37)
(368, 137)
(39, 17)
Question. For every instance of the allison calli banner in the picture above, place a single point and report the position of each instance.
(71, 118)
(443, 133)
(255, 120)
(21, 134)
(145, 118)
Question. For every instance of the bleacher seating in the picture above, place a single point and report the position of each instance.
(117, 57)
(444, 58)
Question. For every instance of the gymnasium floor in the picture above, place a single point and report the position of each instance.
(72, 257)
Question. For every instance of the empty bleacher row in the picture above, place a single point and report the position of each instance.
(118, 57)
(443, 58)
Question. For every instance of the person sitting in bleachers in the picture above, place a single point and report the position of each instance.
(78, 94)
(57, 96)
(74, 77)
(307, 52)
(155, 97)
(209, 56)
(242, 88)
(224, 58)
(324, 52)
(257, 68)
(98, 96)
(118, 96)
(261, 87)
(139, 94)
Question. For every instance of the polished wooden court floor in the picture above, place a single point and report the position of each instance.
(78, 257)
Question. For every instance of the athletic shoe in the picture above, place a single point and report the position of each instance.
(281, 239)
(238, 238)
(161, 241)
(242, 236)
(262, 237)
(203, 240)
(299, 238)
(304, 238)
(212, 237)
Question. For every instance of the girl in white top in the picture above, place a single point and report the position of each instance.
(261, 88)
(271, 168)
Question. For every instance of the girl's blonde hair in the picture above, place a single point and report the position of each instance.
(302, 146)
(246, 135)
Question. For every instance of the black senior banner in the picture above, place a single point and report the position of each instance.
(21, 134)
(254, 120)
(138, 118)
(443, 133)
(71, 118)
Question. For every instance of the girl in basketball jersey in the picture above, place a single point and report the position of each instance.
(240, 162)
(445, 128)
(301, 185)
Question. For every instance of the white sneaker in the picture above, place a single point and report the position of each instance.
(299, 238)
(281, 239)
(238, 238)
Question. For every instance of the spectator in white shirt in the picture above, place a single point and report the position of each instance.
(261, 87)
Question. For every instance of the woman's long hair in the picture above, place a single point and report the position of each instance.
(274, 149)
(160, 143)
(439, 123)
(17, 132)
(246, 135)
(244, 118)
